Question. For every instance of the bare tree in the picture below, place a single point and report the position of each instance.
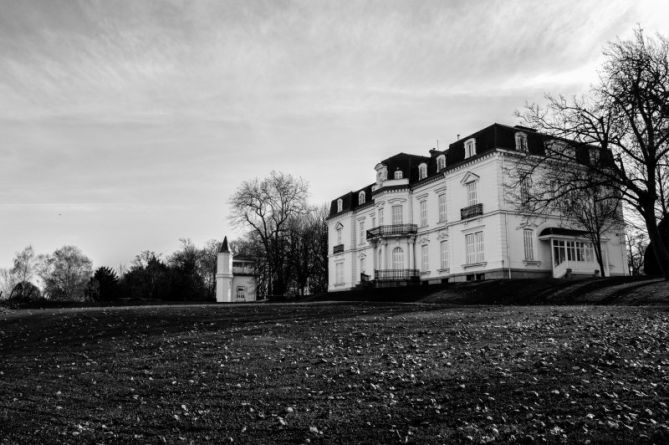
(637, 242)
(65, 273)
(307, 251)
(567, 190)
(25, 264)
(266, 206)
(623, 126)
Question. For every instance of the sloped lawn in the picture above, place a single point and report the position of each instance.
(335, 373)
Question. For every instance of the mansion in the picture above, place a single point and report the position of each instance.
(447, 217)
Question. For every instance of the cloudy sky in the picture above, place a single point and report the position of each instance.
(126, 125)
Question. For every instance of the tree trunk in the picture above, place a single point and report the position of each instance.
(659, 248)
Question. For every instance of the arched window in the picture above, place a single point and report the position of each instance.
(361, 198)
(422, 171)
(521, 142)
(340, 205)
(398, 258)
(441, 162)
(398, 174)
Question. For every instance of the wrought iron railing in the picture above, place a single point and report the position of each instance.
(471, 211)
(393, 230)
(339, 248)
(396, 274)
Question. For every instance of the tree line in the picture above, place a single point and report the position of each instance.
(287, 241)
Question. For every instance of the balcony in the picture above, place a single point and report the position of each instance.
(339, 248)
(471, 211)
(396, 275)
(393, 230)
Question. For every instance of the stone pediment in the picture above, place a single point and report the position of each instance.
(469, 177)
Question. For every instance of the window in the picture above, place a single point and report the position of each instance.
(339, 230)
(470, 148)
(361, 237)
(443, 248)
(521, 142)
(398, 258)
(397, 215)
(423, 213)
(361, 198)
(472, 197)
(528, 243)
(441, 162)
(422, 171)
(241, 293)
(572, 251)
(380, 217)
(525, 185)
(442, 207)
(339, 273)
(398, 174)
(373, 221)
(340, 205)
(474, 247)
(424, 258)
(362, 265)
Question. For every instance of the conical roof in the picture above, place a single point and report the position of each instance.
(224, 246)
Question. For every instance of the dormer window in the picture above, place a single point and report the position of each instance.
(521, 142)
(470, 148)
(422, 171)
(441, 162)
(398, 174)
(361, 198)
(340, 205)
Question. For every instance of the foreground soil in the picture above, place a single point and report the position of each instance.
(343, 373)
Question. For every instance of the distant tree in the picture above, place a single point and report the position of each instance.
(104, 285)
(65, 273)
(206, 267)
(307, 251)
(25, 265)
(636, 243)
(147, 278)
(25, 291)
(625, 117)
(266, 206)
(7, 283)
(186, 283)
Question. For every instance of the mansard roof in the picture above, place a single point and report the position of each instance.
(495, 136)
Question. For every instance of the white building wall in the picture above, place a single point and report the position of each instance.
(501, 223)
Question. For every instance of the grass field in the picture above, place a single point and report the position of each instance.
(365, 373)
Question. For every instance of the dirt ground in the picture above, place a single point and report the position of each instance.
(335, 373)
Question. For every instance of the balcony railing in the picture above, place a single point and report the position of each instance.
(339, 248)
(394, 230)
(396, 274)
(471, 211)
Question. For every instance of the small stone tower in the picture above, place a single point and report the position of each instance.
(224, 273)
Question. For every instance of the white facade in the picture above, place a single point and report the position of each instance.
(235, 277)
(457, 223)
